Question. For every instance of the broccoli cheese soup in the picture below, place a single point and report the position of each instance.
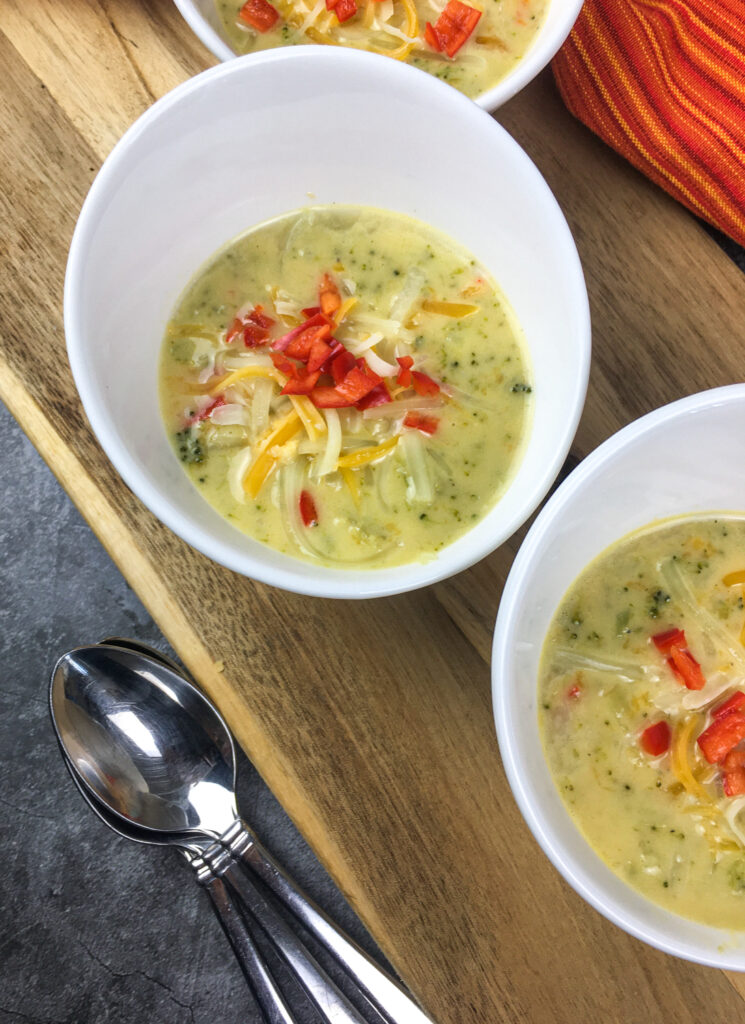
(471, 46)
(346, 385)
(642, 712)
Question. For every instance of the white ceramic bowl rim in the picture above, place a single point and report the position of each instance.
(373, 582)
(501, 654)
(543, 49)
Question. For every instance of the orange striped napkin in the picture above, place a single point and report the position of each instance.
(663, 83)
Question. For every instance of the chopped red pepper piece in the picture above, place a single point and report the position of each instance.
(574, 692)
(254, 327)
(329, 398)
(733, 783)
(673, 643)
(301, 345)
(404, 374)
(308, 512)
(234, 330)
(735, 759)
(721, 736)
(671, 637)
(254, 336)
(301, 382)
(283, 363)
(424, 385)
(734, 703)
(280, 344)
(344, 9)
(655, 739)
(259, 14)
(328, 295)
(199, 416)
(686, 668)
(311, 311)
(418, 421)
(349, 391)
(319, 354)
(258, 316)
(431, 37)
(341, 365)
(380, 395)
(452, 28)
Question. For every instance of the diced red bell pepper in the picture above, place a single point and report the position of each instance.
(329, 398)
(341, 365)
(733, 783)
(452, 28)
(259, 14)
(721, 736)
(380, 395)
(336, 349)
(404, 374)
(431, 37)
(199, 416)
(349, 391)
(319, 353)
(308, 511)
(328, 295)
(655, 739)
(735, 759)
(311, 311)
(671, 637)
(301, 345)
(686, 668)
(301, 383)
(254, 327)
(574, 692)
(418, 421)
(281, 344)
(234, 330)
(734, 703)
(424, 385)
(258, 316)
(283, 363)
(344, 9)
(254, 335)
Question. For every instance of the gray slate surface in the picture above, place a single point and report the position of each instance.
(97, 930)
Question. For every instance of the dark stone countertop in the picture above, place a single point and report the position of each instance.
(98, 930)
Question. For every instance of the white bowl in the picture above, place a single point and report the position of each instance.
(685, 457)
(248, 140)
(561, 15)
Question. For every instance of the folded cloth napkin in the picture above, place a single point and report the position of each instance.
(663, 83)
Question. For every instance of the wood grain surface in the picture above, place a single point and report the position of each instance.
(371, 721)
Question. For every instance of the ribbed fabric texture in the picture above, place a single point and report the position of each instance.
(663, 83)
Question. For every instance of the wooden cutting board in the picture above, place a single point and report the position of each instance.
(370, 721)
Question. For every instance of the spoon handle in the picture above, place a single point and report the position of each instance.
(258, 976)
(386, 995)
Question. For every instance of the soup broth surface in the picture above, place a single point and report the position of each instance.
(662, 819)
(502, 36)
(410, 473)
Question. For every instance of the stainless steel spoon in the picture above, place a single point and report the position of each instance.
(261, 982)
(157, 754)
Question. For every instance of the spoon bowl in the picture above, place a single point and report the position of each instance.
(144, 740)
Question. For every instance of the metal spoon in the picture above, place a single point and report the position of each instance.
(260, 980)
(158, 754)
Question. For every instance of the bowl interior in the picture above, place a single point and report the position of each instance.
(560, 16)
(677, 460)
(247, 141)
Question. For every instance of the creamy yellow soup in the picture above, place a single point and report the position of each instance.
(418, 326)
(643, 659)
(500, 39)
